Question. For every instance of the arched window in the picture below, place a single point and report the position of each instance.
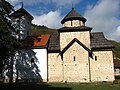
(32, 60)
(95, 58)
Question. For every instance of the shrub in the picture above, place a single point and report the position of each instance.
(115, 81)
(117, 77)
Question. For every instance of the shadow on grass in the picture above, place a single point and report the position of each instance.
(30, 86)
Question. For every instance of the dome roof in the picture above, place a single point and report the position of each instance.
(73, 15)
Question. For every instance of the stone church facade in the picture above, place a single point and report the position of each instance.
(73, 54)
(79, 55)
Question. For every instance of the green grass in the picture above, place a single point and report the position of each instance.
(92, 86)
(60, 86)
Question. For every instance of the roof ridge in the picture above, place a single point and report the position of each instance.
(73, 14)
(96, 32)
(20, 12)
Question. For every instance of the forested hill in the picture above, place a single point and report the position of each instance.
(39, 30)
(117, 48)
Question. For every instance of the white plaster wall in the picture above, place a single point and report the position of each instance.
(41, 55)
(26, 69)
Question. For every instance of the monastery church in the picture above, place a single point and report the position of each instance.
(73, 54)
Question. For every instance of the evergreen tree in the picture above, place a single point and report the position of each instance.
(8, 43)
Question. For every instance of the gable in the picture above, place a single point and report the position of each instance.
(21, 12)
(81, 44)
(77, 51)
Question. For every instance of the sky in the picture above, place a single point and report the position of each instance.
(102, 15)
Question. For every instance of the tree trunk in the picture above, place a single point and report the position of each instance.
(11, 70)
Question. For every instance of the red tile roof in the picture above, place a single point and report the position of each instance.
(41, 40)
(36, 41)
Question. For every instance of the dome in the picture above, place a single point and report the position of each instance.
(73, 15)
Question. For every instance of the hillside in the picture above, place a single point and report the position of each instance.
(117, 48)
(39, 30)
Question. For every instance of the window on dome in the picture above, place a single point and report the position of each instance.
(71, 23)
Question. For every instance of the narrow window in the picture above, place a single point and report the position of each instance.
(80, 23)
(71, 22)
(74, 58)
(95, 58)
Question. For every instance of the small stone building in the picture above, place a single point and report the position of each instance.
(75, 54)
(117, 66)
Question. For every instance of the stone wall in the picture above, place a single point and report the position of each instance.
(67, 37)
(73, 23)
(67, 24)
(55, 70)
(73, 68)
(76, 66)
(102, 68)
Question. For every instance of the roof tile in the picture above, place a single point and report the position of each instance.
(73, 15)
(36, 41)
(54, 43)
(98, 41)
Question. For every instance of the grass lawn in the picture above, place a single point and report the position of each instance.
(59, 86)
(92, 86)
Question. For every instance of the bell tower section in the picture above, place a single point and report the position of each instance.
(74, 27)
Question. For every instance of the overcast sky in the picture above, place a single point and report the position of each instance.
(102, 15)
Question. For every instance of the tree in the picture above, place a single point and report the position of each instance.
(8, 43)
